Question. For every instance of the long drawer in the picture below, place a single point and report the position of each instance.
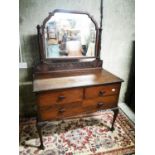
(59, 111)
(101, 91)
(59, 97)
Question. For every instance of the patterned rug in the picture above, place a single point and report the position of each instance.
(86, 136)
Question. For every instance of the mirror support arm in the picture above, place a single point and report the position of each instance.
(39, 43)
(100, 30)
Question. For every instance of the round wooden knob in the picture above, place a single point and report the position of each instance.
(61, 97)
(100, 104)
(62, 110)
(101, 93)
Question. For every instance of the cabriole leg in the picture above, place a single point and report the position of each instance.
(40, 136)
(114, 118)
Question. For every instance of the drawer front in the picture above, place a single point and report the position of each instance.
(101, 91)
(60, 97)
(60, 111)
(107, 102)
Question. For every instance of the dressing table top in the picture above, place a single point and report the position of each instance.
(73, 79)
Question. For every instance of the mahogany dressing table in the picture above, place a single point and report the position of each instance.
(70, 80)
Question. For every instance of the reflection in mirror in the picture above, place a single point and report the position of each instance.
(69, 35)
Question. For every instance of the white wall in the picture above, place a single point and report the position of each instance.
(118, 31)
(117, 38)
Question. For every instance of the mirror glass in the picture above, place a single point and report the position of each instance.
(69, 35)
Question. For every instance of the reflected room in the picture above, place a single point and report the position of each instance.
(69, 35)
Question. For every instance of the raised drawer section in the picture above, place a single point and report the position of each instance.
(101, 91)
(60, 111)
(107, 102)
(59, 97)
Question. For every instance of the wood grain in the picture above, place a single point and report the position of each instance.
(60, 112)
(98, 77)
(60, 97)
(99, 103)
(101, 91)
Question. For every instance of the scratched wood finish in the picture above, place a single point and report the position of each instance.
(101, 91)
(98, 77)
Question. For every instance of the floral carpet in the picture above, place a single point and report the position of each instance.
(88, 135)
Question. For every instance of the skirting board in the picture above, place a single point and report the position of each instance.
(127, 111)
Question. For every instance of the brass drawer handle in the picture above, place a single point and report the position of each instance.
(101, 93)
(100, 104)
(61, 97)
(62, 110)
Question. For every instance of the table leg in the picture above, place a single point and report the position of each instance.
(114, 118)
(40, 136)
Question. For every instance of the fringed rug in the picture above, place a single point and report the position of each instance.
(86, 136)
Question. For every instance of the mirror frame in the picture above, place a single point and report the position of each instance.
(41, 38)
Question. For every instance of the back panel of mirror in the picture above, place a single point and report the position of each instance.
(69, 35)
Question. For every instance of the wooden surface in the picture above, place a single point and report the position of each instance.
(99, 103)
(60, 111)
(67, 65)
(60, 97)
(97, 77)
(99, 91)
